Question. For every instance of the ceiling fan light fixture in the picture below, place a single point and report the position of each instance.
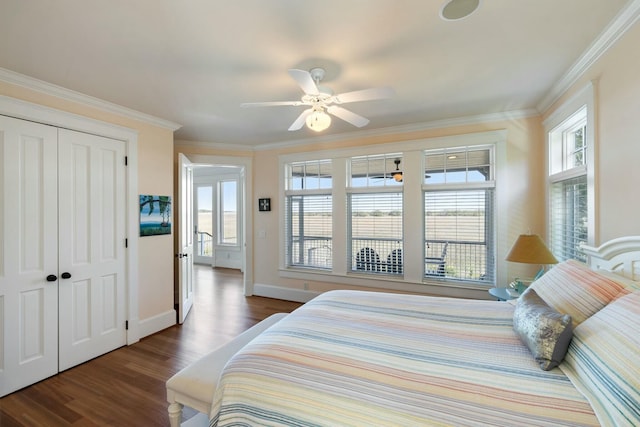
(318, 120)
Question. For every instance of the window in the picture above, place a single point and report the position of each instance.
(204, 220)
(458, 214)
(375, 206)
(570, 145)
(228, 215)
(395, 216)
(308, 214)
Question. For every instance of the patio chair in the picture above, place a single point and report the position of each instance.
(394, 261)
(368, 260)
(435, 266)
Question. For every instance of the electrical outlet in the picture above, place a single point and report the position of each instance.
(305, 285)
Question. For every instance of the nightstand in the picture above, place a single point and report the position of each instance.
(504, 294)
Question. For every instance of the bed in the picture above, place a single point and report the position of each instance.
(354, 358)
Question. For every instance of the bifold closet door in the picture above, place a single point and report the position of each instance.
(28, 253)
(91, 178)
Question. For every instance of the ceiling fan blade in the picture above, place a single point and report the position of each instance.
(300, 120)
(347, 116)
(304, 79)
(364, 95)
(270, 104)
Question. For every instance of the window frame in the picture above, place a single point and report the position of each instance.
(220, 212)
(413, 279)
(289, 193)
(566, 118)
(381, 184)
(468, 186)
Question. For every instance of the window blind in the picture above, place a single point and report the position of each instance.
(375, 226)
(569, 214)
(309, 230)
(459, 234)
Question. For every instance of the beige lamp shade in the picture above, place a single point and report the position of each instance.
(530, 249)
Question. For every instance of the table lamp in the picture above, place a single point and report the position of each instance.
(530, 249)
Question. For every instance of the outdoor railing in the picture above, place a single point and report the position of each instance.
(205, 243)
(311, 251)
(465, 260)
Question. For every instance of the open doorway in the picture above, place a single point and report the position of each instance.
(217, 216)
(220, 240)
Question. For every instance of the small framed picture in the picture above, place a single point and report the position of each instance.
(264, 205)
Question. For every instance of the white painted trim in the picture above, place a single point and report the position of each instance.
(616, 29)
(46, 88)
(468, 139)
(585, 97)
(155, 323)
(361, 134)
(569, 107)
(28, 111)
(287, 294)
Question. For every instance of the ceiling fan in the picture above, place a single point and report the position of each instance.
(396, 174)
(321, 101)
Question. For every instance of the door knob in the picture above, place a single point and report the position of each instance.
(52, 278)
(66, 275)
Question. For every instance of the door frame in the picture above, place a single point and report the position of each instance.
(25, 110)
(246, 180)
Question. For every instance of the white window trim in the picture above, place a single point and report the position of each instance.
(563, 117)
(496, 151)
(413, 153)
(220, 213)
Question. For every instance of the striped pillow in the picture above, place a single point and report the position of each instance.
(603, 361)
(573, 288)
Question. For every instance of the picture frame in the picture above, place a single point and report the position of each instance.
(264, 204)
(155, 215)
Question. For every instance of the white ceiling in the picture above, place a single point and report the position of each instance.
(194, 62)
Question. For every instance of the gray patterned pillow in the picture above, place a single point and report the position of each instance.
(543, 330)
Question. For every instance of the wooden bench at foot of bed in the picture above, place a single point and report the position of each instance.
(195, 385)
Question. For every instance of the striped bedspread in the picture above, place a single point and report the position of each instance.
(353, 358)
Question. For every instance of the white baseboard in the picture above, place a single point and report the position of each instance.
(278, 292)
(156, 323)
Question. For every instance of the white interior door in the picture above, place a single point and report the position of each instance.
(91, 246)
(185, 237)
(28, 253)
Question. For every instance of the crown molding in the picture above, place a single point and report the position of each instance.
(43, 87)
(415, 127)
(616, 29)
(362, 134)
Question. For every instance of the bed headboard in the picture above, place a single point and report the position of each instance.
(620, 256)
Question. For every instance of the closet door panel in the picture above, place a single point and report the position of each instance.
(29, 253)
(92, 233)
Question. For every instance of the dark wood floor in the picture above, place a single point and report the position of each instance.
(127, 386)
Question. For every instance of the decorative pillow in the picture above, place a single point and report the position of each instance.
(630, 285)
(603, 361)
(573, 288)
(543, 330)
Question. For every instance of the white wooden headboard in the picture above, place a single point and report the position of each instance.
(621, 256)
